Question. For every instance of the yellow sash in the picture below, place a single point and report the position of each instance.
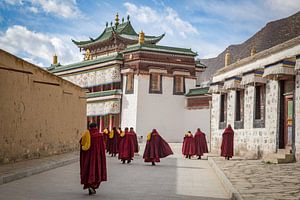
(122, 134)
(86, 140)
(111, 135)
(149, 136)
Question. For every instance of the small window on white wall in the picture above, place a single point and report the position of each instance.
(155, 85)
(129, 83)
(179, 85)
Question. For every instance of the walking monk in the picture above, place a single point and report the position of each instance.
(136, 148)
(92, 159)
(200, 143)
(127, 146)
(156, 148)
(105, 138)
(113, 144)
(188, 145)
(227, 143)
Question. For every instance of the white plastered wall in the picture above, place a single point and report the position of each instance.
(165, 112)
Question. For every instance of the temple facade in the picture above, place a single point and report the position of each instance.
(260, 97)
(131, 81)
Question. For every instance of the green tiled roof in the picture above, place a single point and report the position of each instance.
(102, 59)
(124, 30)
(103, 93)
(159, 48)
(197, 91)
(200, 65)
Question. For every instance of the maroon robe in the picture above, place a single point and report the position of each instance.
(105, 139)
(156, 148)
(200, 144)
(136, 144)
(127, 146)
(227, 142)
(188, 145)
(93, 162)
(113, 143)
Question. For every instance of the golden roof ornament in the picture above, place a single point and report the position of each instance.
(253, 51)
(88, 55)
(227, 58)
(55, 59)
(117, 19)
(141, 37)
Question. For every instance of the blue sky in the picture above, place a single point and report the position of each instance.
(37, 29)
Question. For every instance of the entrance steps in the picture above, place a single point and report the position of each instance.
(282, 156)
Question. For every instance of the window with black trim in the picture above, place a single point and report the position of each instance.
(259, 106)
(129, 84)
(179, 85)
(239, 110)
(223, 111)
(155, 85)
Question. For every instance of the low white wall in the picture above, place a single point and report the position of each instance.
(166, 112)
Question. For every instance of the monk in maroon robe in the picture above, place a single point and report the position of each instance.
(92, 159)
(113, 142)
(188, 145)
(227, 143)
(136, 147)
(105, 138)
(127, 146)
(200, 143)
(156, 148)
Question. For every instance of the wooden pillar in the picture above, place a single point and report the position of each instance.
(101, 124)
(111, 121)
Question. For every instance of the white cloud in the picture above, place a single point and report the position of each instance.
(285, 7)
(39, 47)
(13, 2)
(143, 14)
(166, 20)
(33, 9)
(62, 8)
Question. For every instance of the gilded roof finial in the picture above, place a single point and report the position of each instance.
(227, 58)
(141, 37)
(253, 51)
(111, 23)
(117, 19)
(128, 17)
(54, 59)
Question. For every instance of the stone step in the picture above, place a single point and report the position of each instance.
(278, 158)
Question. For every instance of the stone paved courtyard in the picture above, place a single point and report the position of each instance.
(257, 180)
(173, 178)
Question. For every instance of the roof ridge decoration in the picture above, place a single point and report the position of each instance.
(123, 29)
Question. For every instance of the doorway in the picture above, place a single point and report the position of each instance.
(286, 114)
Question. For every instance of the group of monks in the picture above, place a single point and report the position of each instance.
(94, 144)
(124, 143)
(194, 145)
(197, 145)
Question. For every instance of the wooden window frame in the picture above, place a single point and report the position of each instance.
(259, 121)
(131, 90)
(239, 109)
(223, 111)
(151, 91)
(174, 86)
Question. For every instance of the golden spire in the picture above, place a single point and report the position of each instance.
(54, 59)
(253, 51)
(141, 37)
(227, 58)
(117, 19)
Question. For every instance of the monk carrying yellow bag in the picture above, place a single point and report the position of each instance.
(86, 140)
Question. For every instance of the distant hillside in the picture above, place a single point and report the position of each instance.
(272, 34)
